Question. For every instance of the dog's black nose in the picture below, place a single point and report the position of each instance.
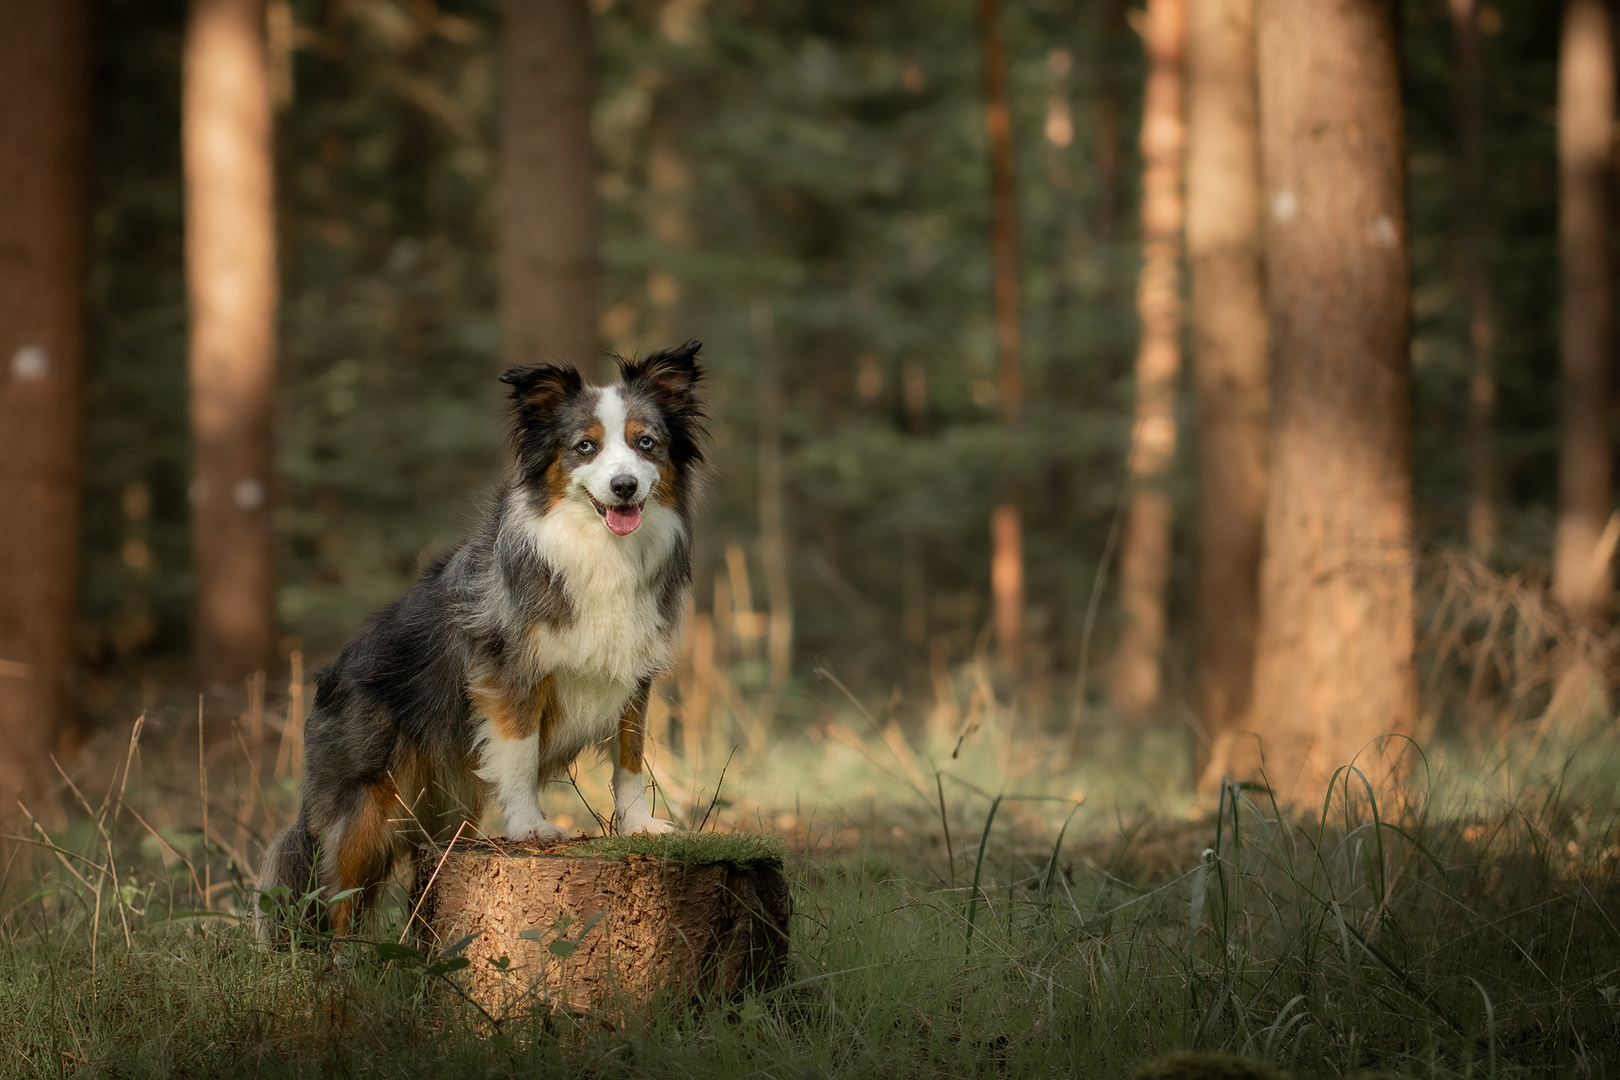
(623, 486)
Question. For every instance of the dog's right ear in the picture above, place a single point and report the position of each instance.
(538, 391)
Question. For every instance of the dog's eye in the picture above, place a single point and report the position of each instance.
(585, 448)
(646, 443)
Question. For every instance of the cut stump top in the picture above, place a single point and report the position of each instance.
(614, 922)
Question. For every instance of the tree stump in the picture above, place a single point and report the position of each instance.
(611, 923)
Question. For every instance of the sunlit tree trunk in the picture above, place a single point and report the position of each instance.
(44, 78)
(231, 285)
(1334, 666)
(1582, 580)
(1230, 366)
(548, 185)
(1006, 525)
(1474, 250)
(1145, 549)
(773, 546)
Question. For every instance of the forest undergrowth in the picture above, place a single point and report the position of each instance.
(973, 897)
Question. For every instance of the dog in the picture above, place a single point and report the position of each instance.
(539, 636)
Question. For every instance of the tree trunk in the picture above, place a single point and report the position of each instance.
(1145, 551)
(773, 551)
(1230, 369)
(1006, 529)
(1582, 580)
(1474, 251)
(231, 285)
(606, 933)
(1106, 115)
(1334, 665)
(44, 91)
(548, 185)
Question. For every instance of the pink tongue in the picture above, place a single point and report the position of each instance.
(623, 522)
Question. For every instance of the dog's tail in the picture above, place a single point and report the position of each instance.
(286, 875)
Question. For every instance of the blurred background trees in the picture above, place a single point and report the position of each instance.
(1334, 657)
(547, 185)
(44, 80)
(880, 240)
(231, 290)
(1231, 367)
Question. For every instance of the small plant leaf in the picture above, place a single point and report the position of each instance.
(456, 948)
(387, 950)
(562, 947)
(444, 967)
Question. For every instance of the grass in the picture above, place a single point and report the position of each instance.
(1474, 944)
(969, 901)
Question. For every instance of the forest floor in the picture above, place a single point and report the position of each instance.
(976, 906)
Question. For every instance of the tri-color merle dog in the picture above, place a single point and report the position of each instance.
(536, 638)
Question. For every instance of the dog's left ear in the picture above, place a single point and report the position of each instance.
(671, 375)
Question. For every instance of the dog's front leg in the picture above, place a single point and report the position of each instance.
(630, 813)
(509, 739)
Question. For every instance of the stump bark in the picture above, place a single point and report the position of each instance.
(554, 928)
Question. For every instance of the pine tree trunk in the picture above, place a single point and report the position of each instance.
(773, 548)
(1474, 250)
(44, 83)
(1106, 115)
(548, 185)
(1334, 665)
(1006, 526)
(1582, 580)
(232, 288)
(1224, 242)
(1145, 548)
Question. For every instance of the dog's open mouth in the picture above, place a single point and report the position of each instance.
(623, 520)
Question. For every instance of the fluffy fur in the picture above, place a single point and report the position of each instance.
(536, 638)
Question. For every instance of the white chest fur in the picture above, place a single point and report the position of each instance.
(617, 636)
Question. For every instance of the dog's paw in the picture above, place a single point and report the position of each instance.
(647, 825)
(543, 833)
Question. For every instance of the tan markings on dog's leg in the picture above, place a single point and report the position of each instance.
(544, 711)
(666, 484)
(365, 852)
(511, 719)
(632, 733)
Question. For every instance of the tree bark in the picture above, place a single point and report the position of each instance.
(1231, 369)
(44, 100)
(773, 545)
(1474, 251)
(1334, 664)
(606, 933)
(548, 185)
(1006, 528)
(1145, 550)
(1582, 578)
(231, 285)
(1106, 115)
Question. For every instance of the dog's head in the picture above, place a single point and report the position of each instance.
(613, 447)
